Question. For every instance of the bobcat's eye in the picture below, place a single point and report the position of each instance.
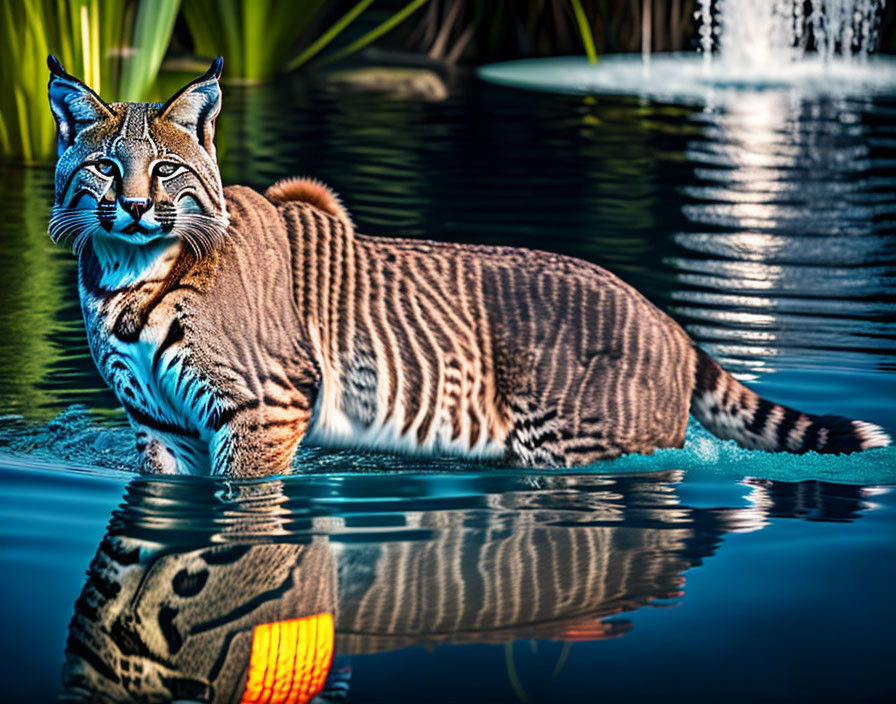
(106, 167)
(166, 168)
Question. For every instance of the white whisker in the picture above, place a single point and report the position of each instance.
(203, 233)
(70, 223)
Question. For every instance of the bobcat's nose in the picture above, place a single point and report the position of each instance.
(135, 206)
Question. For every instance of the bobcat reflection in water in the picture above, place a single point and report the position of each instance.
(243, 592)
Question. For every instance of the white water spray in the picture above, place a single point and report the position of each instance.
(757, 34)
(704, 14)
(804, 47)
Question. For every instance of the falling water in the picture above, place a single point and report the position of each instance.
(705, 16)
(761, 33)
(805, 47)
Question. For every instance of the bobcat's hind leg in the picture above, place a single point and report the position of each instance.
(535, 440)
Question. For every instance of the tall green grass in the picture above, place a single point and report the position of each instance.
(22, 40)
(151, 34)
(261, 38)
(115, 46)
(255, 37)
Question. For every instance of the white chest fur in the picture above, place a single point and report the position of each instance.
(155, 382)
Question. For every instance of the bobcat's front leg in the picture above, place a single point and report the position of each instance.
(259, 441)
(157, 457)
(170, 454)
(260, 436)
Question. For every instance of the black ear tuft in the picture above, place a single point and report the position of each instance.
(55, 66)
(214, 71)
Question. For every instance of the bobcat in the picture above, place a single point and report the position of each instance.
(232, 325)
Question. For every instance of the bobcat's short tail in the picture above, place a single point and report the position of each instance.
(731, 411)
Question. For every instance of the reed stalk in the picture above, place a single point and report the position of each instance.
(257, 37)
(585, 31)
(378, 31)
(328, 36)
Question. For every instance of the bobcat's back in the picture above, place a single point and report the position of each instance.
(485, 352)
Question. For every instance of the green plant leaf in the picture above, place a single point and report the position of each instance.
(328, 36)
(376, 32)
(584, 30)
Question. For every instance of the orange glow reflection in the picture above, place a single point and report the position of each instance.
(290, 660)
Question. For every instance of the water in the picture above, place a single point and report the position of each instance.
(689, 78)
(806, 49)
(770, 32)
(712, 573)
(476, 586)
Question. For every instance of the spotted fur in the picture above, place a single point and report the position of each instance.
(177, 624)
(167, 614)
(233, 325)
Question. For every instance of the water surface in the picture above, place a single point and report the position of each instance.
(767, 228)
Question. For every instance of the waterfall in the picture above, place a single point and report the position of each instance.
(803, 47)
(706, 30)
(763, 33)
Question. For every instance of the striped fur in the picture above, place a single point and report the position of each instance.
(730, 410)
(168, 614)
(499, 353)
(231, 325)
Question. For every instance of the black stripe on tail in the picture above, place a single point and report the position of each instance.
(731, 411)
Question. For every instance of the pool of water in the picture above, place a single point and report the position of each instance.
(688, 77)
(766, 226)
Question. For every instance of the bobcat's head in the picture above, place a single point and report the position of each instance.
(137, 172)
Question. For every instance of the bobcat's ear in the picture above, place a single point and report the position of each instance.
(74, 105)
(195, 106)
